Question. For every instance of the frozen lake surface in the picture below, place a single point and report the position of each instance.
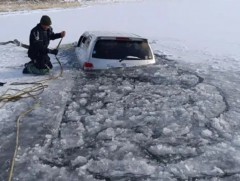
(156, 122)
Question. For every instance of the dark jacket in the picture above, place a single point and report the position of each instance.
(38, 50)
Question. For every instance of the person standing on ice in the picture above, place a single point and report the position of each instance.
(39, 39)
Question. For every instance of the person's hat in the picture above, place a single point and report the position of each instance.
(45, 20)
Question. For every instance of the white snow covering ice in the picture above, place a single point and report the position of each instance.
(175, 120)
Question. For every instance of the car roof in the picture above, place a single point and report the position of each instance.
(106, 34)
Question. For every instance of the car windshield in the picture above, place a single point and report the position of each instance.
(122, 50)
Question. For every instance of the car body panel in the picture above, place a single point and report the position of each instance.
(91, 42)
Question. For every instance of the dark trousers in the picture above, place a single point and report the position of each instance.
(41, 65)
(43, 62)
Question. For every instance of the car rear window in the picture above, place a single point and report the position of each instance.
(122, 49)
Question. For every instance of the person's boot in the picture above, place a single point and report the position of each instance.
(25, 70)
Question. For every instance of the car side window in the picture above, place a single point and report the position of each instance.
(79, 41)
(87, 41)
(84, 41)
(82, 44)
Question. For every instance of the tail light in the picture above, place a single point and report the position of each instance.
(88, 66)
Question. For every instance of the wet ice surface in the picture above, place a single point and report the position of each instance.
(157, 122)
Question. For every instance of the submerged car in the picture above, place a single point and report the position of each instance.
(103, 50)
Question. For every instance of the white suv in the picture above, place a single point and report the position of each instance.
(103, 50)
